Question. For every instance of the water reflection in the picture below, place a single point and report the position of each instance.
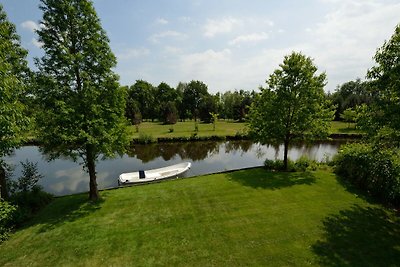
(63, 176)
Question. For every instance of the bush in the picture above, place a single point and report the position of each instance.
(301, 165)
(373, 169)
(7, 213)
(146, 138)
(305, 164)
(27, 194)
(277, 165)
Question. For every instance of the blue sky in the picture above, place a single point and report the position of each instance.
(230, 44)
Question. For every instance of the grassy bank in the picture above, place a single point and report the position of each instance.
(250, 217)
(185, 130)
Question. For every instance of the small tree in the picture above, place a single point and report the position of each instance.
(292, 106)
(349, 116)
(214, 118)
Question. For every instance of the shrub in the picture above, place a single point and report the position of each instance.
(277, 165)
(27, 194)
(305, 164)
(373, 169)
(146, 138)
(7, 213)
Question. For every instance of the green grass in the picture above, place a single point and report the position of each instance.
(344, 128)
(223, 128)
(186, 129)
(252, 218)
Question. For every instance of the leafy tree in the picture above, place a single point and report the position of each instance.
(82, 103)
(183, 114)
(381, 119)
(350, 95)
(169, 113)
(193, 94)
(144, 94)
(292, 106)
(349, 115)
(214, 119)
(206, 107)
(14, 75)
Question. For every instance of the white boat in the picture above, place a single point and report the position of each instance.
(154, 175)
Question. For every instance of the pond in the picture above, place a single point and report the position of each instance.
(63, 176)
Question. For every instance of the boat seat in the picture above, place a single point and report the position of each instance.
(142, 175)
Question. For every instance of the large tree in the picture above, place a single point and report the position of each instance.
(292, 106)
(14, 74)
(83, 104)
(382, 119)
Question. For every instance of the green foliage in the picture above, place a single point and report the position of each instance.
(350, 95)
(381, 119)
(349, 115)
(29, 179)
(14, 75)
(82, 103)
(300, 165)
(214, 119)
(169, 113)
(292, 106)
(145, 138)
(27, 194)
(7, 213)
(373, 169)
(193, 95)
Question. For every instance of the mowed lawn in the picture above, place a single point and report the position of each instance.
(250, 217)
(187, 129)
(222, 128)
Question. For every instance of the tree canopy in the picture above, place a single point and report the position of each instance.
(381, 119)
(292, 106)
(82, 103)
(14, 74)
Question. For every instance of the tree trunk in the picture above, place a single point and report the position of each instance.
(91, 165)
(3, 184)
(285, 154)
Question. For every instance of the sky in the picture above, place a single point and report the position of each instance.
(230, 44)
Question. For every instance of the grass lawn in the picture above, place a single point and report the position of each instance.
(223, 128)
(344, 128)
(186, 129)
(251, 217)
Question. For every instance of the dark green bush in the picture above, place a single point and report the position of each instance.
(373, 169)
(305, 164)
(7, 215)
(301, 165)
(26, 194)
(277, 165)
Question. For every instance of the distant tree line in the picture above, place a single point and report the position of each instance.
(185, 102)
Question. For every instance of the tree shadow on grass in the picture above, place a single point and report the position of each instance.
(261, 178)
(360, 237)
(63, 210)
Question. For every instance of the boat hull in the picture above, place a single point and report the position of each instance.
(153, 175)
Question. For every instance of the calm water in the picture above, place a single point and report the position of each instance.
(63, 176)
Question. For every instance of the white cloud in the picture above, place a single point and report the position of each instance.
(161, 21)
(345, 42)
(133, 53)
(249, 38)
(217, 26)
(155, 38)
(30, 25)
(36, 43)
(172, 50)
